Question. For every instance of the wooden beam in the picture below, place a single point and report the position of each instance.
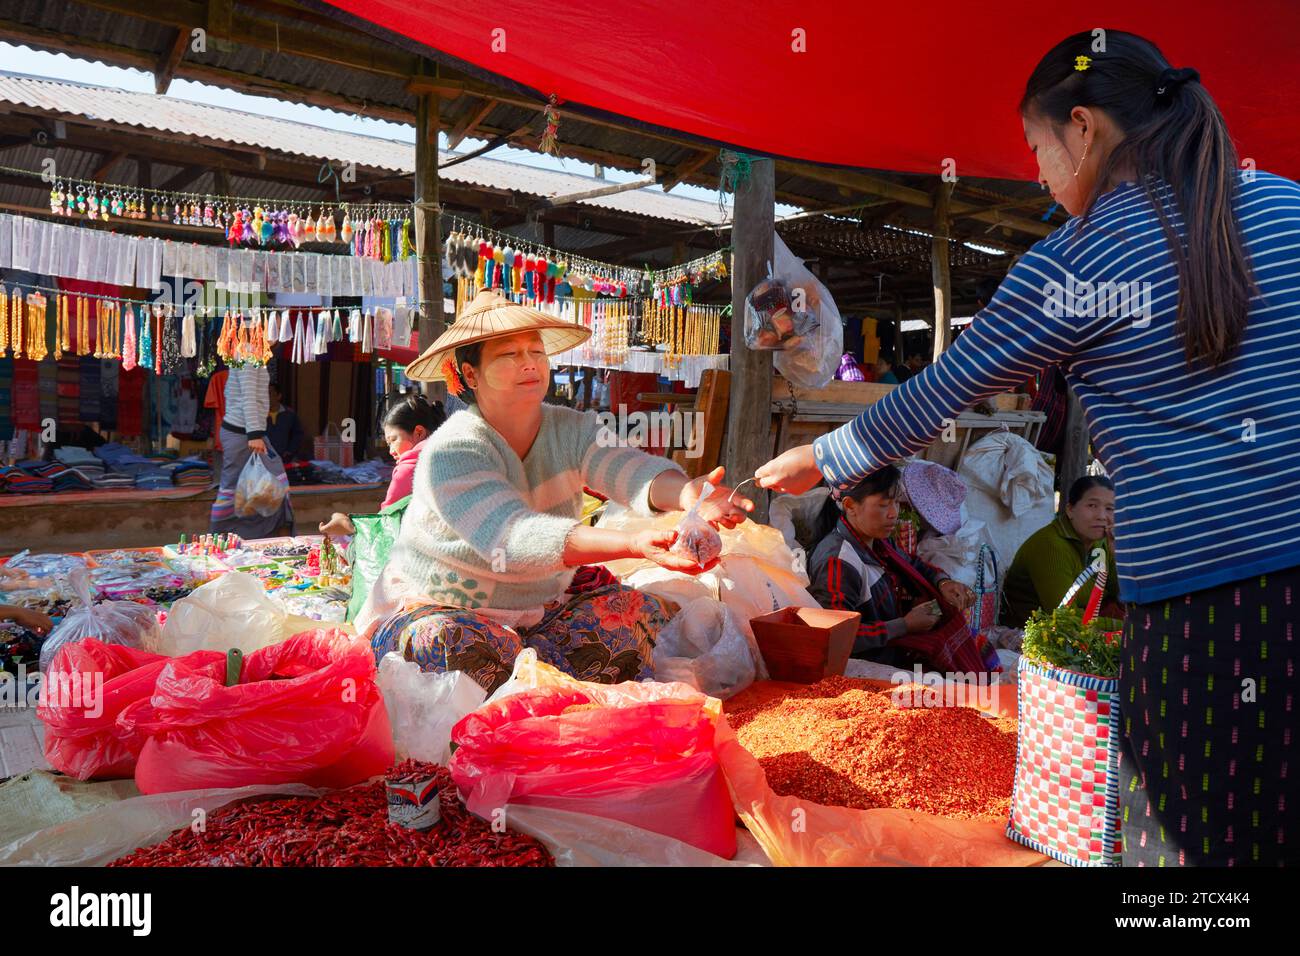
(749, 443)
(167, 63)
(183, 178)
(940, 275)
(111, 160)
(465, 128)
(688, 168)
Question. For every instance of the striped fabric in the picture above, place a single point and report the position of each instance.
(1203, 461)
(247, 400)
(487, 530)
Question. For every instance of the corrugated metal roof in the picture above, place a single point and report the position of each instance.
(221, 125)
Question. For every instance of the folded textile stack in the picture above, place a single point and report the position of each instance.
(371, 472)
(120, 458)
(153, 480)
(60, 476)
(75, 457)
(189, 472)
(15, 481)
(114, 479)
(301, 473)
(328, 473)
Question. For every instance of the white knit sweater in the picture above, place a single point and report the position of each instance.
(486, 530)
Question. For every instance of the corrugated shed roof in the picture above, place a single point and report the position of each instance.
(222, 125)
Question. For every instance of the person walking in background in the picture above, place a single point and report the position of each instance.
(243, 434)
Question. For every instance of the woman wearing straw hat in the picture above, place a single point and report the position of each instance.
(484, 564)
(1170, 302)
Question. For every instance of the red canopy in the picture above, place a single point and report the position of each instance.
(899, 86)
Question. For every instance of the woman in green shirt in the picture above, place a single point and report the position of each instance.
(1053, 556)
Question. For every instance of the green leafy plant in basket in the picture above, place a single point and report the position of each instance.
(1059, 638)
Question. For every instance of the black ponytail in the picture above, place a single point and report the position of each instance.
(413, 410)
(1173, 132)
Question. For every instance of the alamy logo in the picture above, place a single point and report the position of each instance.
(1099, 300)
(652, 429)
(134, 910)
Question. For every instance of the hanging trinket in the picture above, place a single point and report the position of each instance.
(345, 232)
(309, 228)
(56, 199)
(325, 228)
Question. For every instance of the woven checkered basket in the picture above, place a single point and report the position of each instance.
(1066, 797)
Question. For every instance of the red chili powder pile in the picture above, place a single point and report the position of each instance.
(843, 742)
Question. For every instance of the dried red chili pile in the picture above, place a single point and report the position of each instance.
(344, 828)
(843, 742)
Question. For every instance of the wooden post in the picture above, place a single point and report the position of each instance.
(428, 239)
(1074, 448)
(428, 232)
(749, 415)
(940, 275)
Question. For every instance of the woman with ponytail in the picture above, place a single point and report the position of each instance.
(1170, 301)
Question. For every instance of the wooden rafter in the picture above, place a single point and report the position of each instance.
(465, 128)
(167, 63)
(689, 167)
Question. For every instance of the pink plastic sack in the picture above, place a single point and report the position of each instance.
(304, 711)
(85, 687)
(643, 754)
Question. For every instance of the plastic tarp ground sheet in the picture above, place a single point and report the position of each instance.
(855, 84)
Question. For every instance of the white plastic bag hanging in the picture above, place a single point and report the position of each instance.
(113, 622)
(812, 361)
(258, 492)
(704, 646)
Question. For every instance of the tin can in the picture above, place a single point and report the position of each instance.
(414, 804)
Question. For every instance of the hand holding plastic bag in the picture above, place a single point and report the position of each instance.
(113, 622)
(258, 492)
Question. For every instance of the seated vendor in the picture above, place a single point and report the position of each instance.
(408, 423)
(855, 567)
(486, 562)
(1055, 555)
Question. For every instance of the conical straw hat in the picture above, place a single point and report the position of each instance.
(490, 316)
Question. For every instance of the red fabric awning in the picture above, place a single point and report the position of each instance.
(900, 86)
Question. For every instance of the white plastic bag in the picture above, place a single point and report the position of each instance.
(232, 611)
(113, 622)
(956, 555)
(812, 362)
(258, 492)
(705, 647)
(1010, 489)
(795, 516)
(757, 572)
(423, 707)
(696, 538)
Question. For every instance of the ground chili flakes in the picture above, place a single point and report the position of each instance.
(343, 828)
(843, 742)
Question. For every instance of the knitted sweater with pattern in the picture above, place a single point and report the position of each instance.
(487, 530)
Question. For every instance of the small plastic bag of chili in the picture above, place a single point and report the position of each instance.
(696, 538)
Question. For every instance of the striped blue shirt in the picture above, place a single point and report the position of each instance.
(1206, 464)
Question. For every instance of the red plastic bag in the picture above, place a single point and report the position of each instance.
(86, 686)
(305, 711)
(640, 753)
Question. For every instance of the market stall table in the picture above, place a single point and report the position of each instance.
(81, 521)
